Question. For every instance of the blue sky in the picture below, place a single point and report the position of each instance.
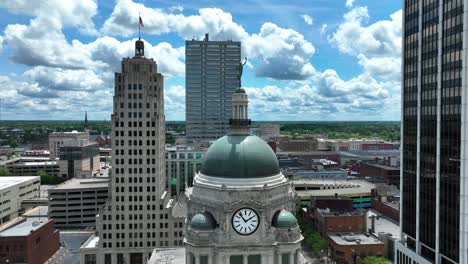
(308, 59)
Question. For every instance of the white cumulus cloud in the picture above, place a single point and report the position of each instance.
(349, 3)
(307, 19)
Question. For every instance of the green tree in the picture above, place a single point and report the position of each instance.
(47, 179)
(376, 260)
(4, 171)
(312, 237)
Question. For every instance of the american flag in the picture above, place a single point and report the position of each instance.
(141, 22)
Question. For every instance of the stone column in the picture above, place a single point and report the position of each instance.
(291, 258)
(245, 259)
(197, 259)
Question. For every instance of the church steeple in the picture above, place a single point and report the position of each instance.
(86, 121)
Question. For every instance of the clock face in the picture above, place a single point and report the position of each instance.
(245, 221)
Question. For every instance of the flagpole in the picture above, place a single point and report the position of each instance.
(139, 25)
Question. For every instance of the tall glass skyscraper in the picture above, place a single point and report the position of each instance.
(212, 75)
(434, 133)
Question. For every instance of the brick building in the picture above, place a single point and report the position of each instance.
(333, 214)
(329, 221)
(390, 174)
(331, 202)
(28, 241)
(347, 248)
(387, 205)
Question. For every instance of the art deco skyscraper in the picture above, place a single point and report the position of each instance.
(138, 215)
(211, 78)
(434, 173)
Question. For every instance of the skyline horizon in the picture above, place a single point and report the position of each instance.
(342, 66)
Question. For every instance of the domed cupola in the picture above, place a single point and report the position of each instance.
(284, 219)
(239, 154)
(203, 222)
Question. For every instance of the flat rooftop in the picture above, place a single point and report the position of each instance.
(355, 188)
(328, 212)
(91, 243)
(167, 255)
(38, 211)
(36, 163)
(7, 182)
(74, 183)
(383, 224)
(382, 166)
(23, 229)
(351, 239)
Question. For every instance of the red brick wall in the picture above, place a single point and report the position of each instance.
(343, 254)
(376, 146)
(339, 224)
(386, 210)
(391, 177)
(36, 248)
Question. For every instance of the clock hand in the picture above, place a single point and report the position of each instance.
(250, 218)
(240, 213)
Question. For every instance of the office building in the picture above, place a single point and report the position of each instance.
(138, 215)
(57, 139)
(211, 77)
(182, 163)
(434, 174)
(75, 203)
(78, 158)
(13, 190)
(28, 241)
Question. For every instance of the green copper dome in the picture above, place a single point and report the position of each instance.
(284, 219)
(203, 221)
(240, 156)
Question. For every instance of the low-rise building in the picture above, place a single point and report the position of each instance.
(297, 145)
(13, 190)
(25, 166)
(78, 158)
(386, 204)
(334, 221)
(28, 241)
(76, 202)
(267, 131)
(389, 174)
(333, 214)
(57, 140)
(347, 248)
(359, 191)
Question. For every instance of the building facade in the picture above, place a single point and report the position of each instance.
(13, 190)
(138, 215)
(182, 163)
(29, 242)
(26, 166)
(78, 158)
(434, 171)
(75, 203)
(211, 77)
(57, 139)
(266, 131)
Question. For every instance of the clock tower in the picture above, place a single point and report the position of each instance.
(241, 206)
